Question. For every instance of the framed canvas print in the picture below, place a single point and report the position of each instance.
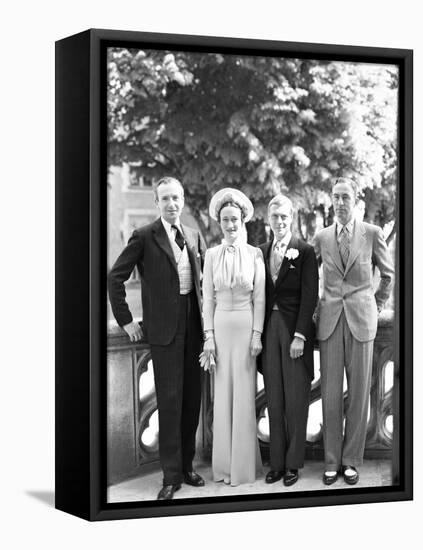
(233, 274)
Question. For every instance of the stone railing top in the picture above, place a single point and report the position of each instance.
(116, 336)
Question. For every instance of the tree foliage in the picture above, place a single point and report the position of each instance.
(260, 124)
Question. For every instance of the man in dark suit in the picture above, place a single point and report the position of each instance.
(346, 327)
(291, 297)
(169, 258)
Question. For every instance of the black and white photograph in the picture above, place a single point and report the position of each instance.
(252, 225)
(244, 378)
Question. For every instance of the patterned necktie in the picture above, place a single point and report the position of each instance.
(278, 252)
(179, 240)
(344, 245)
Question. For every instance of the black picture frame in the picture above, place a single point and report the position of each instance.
(81, 225)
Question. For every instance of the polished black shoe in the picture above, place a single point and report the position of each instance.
(167, 491)
(329, 479)
(194, 479)
(274, 475)
(290, 477)
(351, 479)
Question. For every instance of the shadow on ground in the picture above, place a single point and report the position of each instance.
(46, 497)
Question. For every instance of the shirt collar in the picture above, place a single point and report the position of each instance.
(349, 226)
(168, 226)
(284, 241)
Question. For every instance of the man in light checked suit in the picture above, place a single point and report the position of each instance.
(346, 318)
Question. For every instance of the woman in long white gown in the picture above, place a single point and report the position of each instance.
(233, 312)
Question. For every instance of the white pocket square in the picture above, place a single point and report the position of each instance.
(292, 266)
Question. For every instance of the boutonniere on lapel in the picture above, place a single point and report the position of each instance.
(291, 254)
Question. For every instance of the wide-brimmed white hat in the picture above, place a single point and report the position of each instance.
(229, 194)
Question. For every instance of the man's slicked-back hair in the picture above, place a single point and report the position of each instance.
(281, 200)
(347, 181)
(163, 181)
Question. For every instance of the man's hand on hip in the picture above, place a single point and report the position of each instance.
(133, 330)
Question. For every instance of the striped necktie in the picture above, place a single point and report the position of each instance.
(278, 253)
(344, 245)
(179, 240)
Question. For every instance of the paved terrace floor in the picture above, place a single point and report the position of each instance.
(146, 485)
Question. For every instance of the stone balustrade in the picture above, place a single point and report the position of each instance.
(132, 419)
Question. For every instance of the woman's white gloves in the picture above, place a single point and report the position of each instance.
(208, 355)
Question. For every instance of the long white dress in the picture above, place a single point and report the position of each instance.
(234, 306)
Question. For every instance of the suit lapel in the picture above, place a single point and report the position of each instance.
(334, 249)
(266, 253)
(356, 244)
(161, 238)
(189, 240)
(191, 247)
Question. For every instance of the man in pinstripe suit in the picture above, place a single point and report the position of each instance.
(169, 257)
(346, 327)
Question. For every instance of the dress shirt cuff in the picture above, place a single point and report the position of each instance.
(300, 336)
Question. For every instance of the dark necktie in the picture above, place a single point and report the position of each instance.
(179, 240)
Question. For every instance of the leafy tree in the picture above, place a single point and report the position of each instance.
(261, 124)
